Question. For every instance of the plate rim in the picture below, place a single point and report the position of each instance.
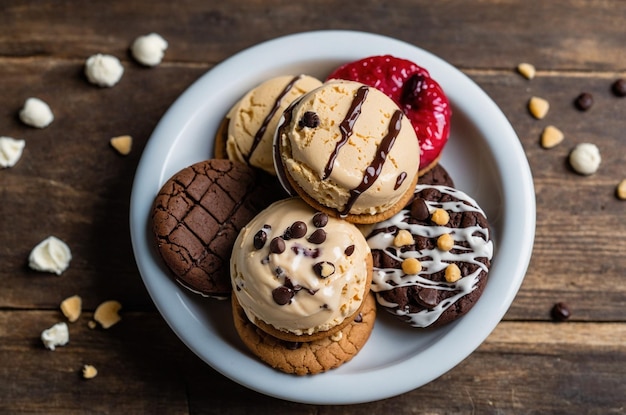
(525, 198)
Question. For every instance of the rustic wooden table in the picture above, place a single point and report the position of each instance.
(70, 183)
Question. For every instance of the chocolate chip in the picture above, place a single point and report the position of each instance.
(277, 245)
(349, 250)
(298, 229)
(619, 87)
(320, 219)
(324, 269)
(310, 120)
(358, 318)
(427, 297)
(419, 209)
(292, 345)
(560, 312)
(282, 295)
(584, 101)
(317, 237)
(259, 239)
(307, 252)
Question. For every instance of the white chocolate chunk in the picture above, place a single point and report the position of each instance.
(103, 70)
(36, 113)
(551, 137)
(527, 70)
(149, 49)
(10, 151)
(50, 255)
(57, 335)
(585, 158)
(122, 144)
(107, 313)
(538, 107)
(71, 308)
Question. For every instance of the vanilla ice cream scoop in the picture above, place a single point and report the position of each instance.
(300, 271)
(253, 120)
(348, 148)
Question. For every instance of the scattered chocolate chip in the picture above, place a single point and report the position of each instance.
(277, 245)
(298, 229)
(320, 220)
(419, 209)
(584, 101)
(282, 295)
(349, 250)
(309, 120)
(317, 237)
(324, 269)
(259, 239)
(619, 87)
(560, 312)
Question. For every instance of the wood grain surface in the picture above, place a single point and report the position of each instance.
(70, 183)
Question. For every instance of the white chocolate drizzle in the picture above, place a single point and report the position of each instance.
(477, 244)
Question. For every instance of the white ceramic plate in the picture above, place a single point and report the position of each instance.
(483, 156)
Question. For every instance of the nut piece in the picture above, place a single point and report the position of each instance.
(585, 158)
(411, 266)
(551, 137)
(89, 372)
(403, 238)
(71, 308)
(122, 144)
(453, 273)
(527, 70)
(621, 190)
(440, 217)
(107, 313)
(538, 107)
(445, 242)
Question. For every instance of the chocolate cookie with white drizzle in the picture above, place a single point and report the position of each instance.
(431, 260)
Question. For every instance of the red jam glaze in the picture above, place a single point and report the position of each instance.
(418, 95)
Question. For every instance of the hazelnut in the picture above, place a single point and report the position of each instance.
(122, 144)
(527, 70)
(538, 107)
(445, 242)
(551, 137)
(440, 217)
(403, 238)
(453, 273)
(411, 266)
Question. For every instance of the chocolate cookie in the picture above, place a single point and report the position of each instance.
(437, 176)
(431, 260)
(310, 357)
(197, 216)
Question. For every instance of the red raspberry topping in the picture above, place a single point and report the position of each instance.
(418, 95)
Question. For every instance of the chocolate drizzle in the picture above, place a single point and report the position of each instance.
(346, 127)
(374, 169)
(259, 134)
